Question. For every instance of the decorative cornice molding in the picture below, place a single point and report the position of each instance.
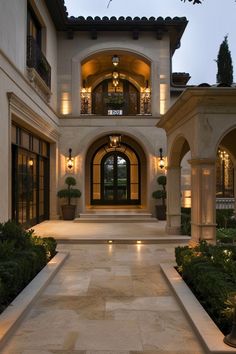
(198, 100)
(31, 118)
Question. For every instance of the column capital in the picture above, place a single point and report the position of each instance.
(202, 161)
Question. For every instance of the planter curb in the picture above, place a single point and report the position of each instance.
(204, 327)
(10, 318)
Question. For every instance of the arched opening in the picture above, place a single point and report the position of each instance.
(116, 175)
(120, 89)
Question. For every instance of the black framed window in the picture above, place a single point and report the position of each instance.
(34, 28)
(30, 178)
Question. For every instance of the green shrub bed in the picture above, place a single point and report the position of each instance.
(22, 256)
(210, 272)
(226, 235)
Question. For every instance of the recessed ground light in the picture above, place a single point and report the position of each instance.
(110, 241)
(139, 242)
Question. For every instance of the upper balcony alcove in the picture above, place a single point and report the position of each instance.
(115, 83)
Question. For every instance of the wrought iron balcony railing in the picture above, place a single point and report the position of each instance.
(36, 60)
(115, 103)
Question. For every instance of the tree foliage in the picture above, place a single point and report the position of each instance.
(194, 1)
(224, 64)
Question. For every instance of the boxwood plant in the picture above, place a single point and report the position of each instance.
(210, 272)
(22, 256)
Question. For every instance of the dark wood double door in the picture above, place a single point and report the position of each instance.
(126, 93)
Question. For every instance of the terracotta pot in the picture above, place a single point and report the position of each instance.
(68, 212)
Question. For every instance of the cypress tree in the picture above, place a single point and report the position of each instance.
(224, 64)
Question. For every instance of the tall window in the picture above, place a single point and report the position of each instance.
(34, 27)
(30, 178)
(35, 57)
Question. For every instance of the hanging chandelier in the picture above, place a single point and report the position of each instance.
(115, 60)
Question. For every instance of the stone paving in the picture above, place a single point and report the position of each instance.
(109, 299)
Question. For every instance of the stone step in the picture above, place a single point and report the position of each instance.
(116, 214)
(116, 219)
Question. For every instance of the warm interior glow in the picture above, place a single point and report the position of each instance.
(31, 162)
(186, 198)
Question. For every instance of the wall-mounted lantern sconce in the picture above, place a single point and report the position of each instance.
(70, 160)
(115, 60)
(161, 162)
(114, 141)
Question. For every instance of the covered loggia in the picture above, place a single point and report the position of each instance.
(116, 82)
(202, 120)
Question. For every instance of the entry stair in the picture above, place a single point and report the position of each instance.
(119, 216)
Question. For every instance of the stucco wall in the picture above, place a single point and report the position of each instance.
(13, 35)
(32, 113)
(79, 134)
(72, 51)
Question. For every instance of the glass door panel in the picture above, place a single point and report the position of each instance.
(109, 180)
(122, 178)
(115, 178)
(30, 187)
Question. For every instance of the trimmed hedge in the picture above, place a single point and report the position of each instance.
(210, 272)
(22, 256)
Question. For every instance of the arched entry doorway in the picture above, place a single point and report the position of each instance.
(115, 176)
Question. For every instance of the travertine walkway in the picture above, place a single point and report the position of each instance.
(70, 230)
(107, 299)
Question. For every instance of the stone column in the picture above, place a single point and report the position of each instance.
(76, 88)
(203, 192)
(155, 94)
(173, 200)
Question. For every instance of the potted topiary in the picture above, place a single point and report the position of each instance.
(68, 210)
(161, 194)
